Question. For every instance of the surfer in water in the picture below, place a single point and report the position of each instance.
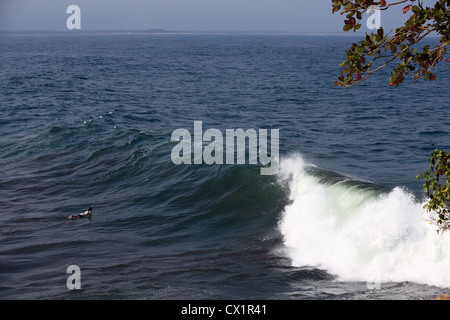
(86, 213)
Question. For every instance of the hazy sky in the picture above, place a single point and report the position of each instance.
(303, 16)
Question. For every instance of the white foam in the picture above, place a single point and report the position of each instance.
(353, 233)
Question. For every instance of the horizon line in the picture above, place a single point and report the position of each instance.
(166, 31)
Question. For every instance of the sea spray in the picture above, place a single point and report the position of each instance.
(353, 232)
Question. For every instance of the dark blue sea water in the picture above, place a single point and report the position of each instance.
(87, 119)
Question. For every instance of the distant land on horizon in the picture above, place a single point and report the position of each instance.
(156, 31)
(87, 31)
(165, 31)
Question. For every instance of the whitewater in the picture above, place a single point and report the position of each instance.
(358, 231)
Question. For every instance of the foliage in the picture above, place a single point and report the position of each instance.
(437, 187)
(378, 49)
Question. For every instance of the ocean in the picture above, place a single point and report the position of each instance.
(86, 120)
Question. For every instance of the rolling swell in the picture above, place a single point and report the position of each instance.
(83, 124)
(151, 216)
